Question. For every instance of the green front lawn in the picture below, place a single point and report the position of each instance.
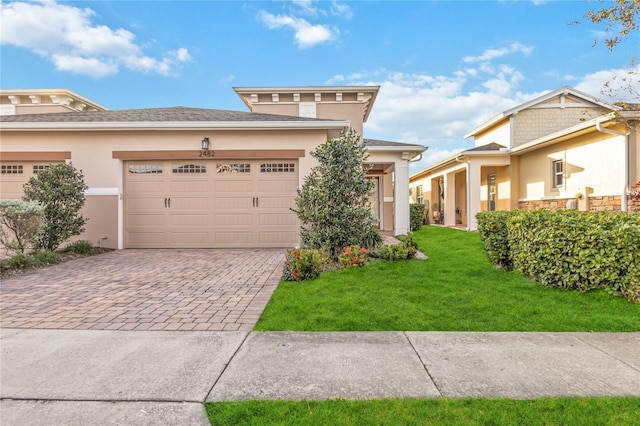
(456, 289)
(545, 411)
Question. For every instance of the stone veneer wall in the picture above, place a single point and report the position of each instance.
(596, 204)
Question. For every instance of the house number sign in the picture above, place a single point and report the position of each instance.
(205, 153)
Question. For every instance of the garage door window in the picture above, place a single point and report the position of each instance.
(189, 168)
(277, 168)
(233, 168)
(39, 167)
(11, 169)
(145, 168)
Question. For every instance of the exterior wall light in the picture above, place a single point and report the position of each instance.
(205, 144)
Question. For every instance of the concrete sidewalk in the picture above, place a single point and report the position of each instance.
(69, 377)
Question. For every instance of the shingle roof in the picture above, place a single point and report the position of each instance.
(488, 147)
(173, 114)
(376, 142)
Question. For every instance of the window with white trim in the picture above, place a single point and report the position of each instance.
(558, 173)
(419, 198)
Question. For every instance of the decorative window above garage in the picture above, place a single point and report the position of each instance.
(11, 169)
(39, 167)
(189, 168)
(145, 168)
(277, 168)
(233, 168)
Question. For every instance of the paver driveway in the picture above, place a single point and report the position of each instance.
(145, 290)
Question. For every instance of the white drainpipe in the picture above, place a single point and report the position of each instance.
(623, 199)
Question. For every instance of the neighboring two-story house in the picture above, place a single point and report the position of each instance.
(565, 149)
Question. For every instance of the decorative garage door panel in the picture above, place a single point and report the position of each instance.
(202, 204)
(14, 174)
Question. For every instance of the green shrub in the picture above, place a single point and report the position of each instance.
(493, 231)
(393, 252)
(353, 256)
(405, 249)
(304, 264)
(23, 219)
(416, 216)
(46, 257)
(60, 188)
(578, 250)
(18, 261)
(83, 247)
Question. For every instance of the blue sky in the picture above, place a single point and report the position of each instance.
(443, 67)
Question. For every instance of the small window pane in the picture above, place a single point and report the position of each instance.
(189, 168)
(277, 168)
(233, 168)
(11, 169)
(145, 168)
(38, 168)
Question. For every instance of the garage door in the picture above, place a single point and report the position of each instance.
(210, 204)
(13, 175)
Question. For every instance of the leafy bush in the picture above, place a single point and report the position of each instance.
(577, 250)
(353, 256)
(27, 261)
(83, 247)
(567, 249)
(405, 249)
(332, 204)
(24, 220)
(416, 219)
(46, 257)
(60, 188)
(304, 264)
(493, 231)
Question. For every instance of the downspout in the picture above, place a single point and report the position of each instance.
(624, 205)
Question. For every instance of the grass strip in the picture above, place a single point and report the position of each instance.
(455, 289)
(465, 411)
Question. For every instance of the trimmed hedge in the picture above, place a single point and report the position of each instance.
(492, 227)
(567, 249)
(416, 216)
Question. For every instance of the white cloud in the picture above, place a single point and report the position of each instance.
(491, 54)
(341, 9)
(306, 34)
(622, 84)
(68, 37)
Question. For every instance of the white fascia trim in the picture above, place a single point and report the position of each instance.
(218, 125)
(485, 125)
(565, 132)
(102, 191)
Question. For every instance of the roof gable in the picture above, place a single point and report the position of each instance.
(565, 97)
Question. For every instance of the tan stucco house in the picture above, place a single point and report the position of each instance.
(565, 149)
(197, 178)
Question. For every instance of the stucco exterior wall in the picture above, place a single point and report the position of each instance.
(92, 151)
(595, 160)
(349, 111)
(500, 134)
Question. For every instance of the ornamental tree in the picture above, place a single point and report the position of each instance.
(60, 189)
(333, 203)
